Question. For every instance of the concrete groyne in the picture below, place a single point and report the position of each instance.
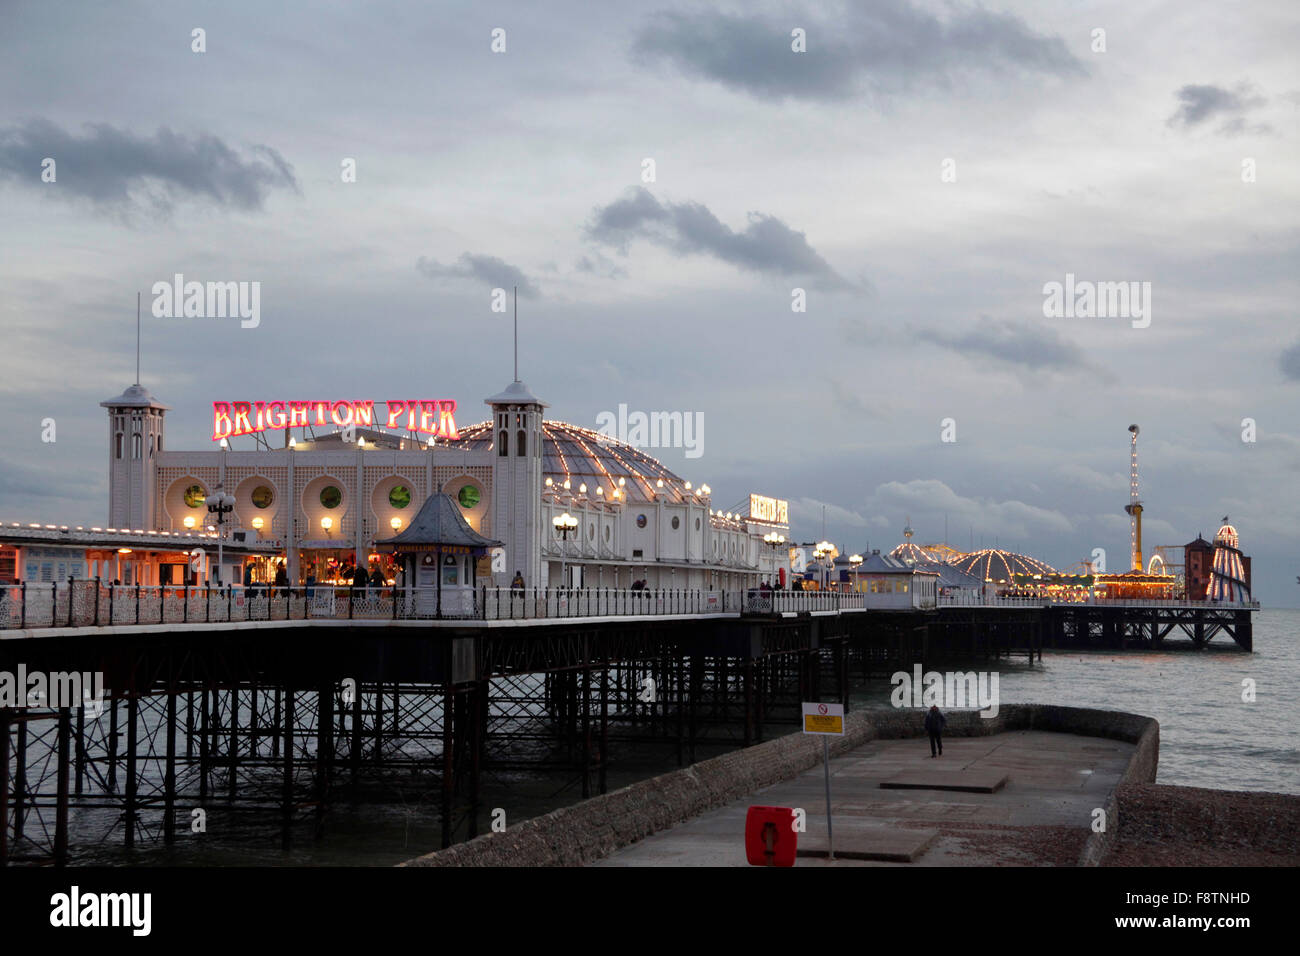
(588, 831)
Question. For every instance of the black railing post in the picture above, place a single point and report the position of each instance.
(137, 602)
(23, 623)
(97, 600)
(185, 604)
(70, 587)
(350, 593)
(230, 605)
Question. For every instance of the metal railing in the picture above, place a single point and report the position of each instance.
(502, 604)
(89, 603)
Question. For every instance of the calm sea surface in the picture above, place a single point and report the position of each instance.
(1209, 737)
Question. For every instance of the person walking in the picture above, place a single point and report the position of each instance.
(934, 724)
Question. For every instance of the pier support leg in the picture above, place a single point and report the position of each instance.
(286, 770)
(604, 723)
(61, 799)
(169, 774)
(448, 755)
(748, 678)
(132, 778)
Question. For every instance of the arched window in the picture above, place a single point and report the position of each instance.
(520, 450)
(136, 445)
(117, 445)
(503, 444)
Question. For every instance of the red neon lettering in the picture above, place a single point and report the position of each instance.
(395, 410)
(221, 423)
(427, 412)
(298, 412)
(447, 421)
(320, 412)
(242, 426)
(261, 416)
(413, 406)
(334, 413)
(275, 417)
(363, 413)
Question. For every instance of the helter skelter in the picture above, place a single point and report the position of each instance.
(1228, 575)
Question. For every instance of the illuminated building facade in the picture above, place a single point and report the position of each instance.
(326, 499)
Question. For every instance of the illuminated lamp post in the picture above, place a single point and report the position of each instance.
(775, 542)
(565, 524)
(855, 562)
(220, 504)
(825, 555)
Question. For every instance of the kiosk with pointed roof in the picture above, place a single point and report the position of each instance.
(438, 550)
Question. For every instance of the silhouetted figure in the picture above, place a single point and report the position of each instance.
(934, 724)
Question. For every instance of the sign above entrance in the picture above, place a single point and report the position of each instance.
(774, 510)
(437, 417)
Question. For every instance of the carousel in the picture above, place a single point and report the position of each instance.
(437, 556)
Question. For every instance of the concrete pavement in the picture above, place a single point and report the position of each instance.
(1040, 814)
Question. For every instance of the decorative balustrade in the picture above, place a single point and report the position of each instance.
(83, 603)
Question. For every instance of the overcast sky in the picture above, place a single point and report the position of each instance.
(774, 170)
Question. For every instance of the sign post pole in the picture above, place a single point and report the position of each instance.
(826, 764)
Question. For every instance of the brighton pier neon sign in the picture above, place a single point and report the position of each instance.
(437, 417)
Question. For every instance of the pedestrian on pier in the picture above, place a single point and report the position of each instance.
(934, 724)
(517, 586)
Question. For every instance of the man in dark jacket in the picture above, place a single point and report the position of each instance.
(934, 724)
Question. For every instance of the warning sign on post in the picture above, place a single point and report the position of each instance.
(827, 719)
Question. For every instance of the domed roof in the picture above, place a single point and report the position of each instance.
(585, 456)
(1226, 535)
(910, 553)
(992, 564)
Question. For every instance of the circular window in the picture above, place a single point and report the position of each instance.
(331, 497)
(468, 497)
(195, 496)
(677, 522)
(263, 496)
(640, 521)
(399, 496)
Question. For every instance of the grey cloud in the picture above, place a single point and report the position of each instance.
(494, 272)
(602, 266)
(765, 245)
(1200, 103)
(1290, 363)
(117, 169)
(886, 46)
(1016, 343)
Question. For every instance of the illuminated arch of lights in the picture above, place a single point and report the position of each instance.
(992, 564)
(574, 453)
